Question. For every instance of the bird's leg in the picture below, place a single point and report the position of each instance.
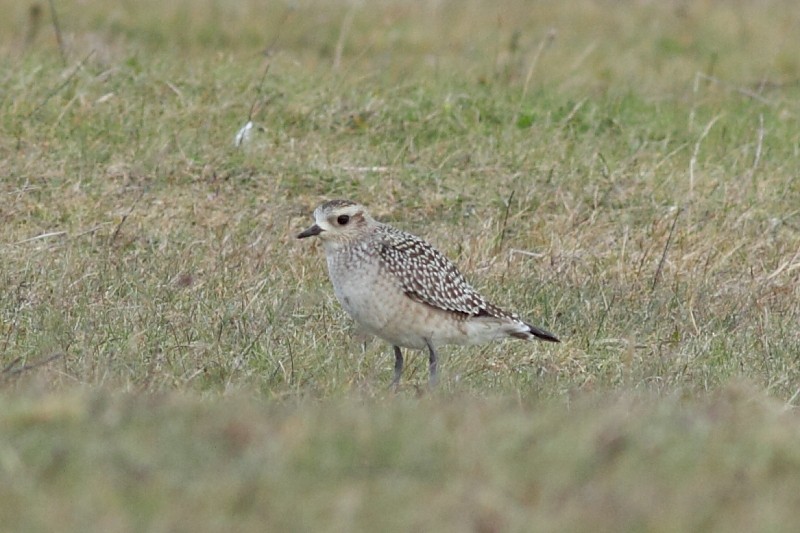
(398, 366)
(432, 364)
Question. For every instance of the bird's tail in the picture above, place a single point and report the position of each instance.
(534, 332)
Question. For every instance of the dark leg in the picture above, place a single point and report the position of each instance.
(398, 366)
(432, 364)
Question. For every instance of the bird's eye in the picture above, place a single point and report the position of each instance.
(343, 220)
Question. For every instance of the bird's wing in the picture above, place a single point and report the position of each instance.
(427, 276)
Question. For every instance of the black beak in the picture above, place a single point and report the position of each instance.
(310, 232)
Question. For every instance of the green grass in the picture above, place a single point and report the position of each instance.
(101, 461)
(624, 174)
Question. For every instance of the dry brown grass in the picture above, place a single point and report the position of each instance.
(623, 173)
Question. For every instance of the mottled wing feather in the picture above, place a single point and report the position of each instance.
(427, 276)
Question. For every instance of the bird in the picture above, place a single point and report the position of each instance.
(400, 288)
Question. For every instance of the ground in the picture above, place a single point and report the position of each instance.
(623, 174)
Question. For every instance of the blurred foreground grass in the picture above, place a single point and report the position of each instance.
(623, 173)
(100, 462)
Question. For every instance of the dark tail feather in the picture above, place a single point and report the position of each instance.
(543, 334)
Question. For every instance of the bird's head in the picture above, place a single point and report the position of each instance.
(338, 223)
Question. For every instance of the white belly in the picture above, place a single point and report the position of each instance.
(378, 305)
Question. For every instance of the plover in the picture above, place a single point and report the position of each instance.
(401, 289)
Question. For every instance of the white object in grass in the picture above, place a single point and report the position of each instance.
(244, 134)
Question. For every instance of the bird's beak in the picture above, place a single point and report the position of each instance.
(310, 232)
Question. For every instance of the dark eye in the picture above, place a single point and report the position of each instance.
(343, 220)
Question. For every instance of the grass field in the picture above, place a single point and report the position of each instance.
(624, 174)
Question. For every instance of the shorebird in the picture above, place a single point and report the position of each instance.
(403, 290)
